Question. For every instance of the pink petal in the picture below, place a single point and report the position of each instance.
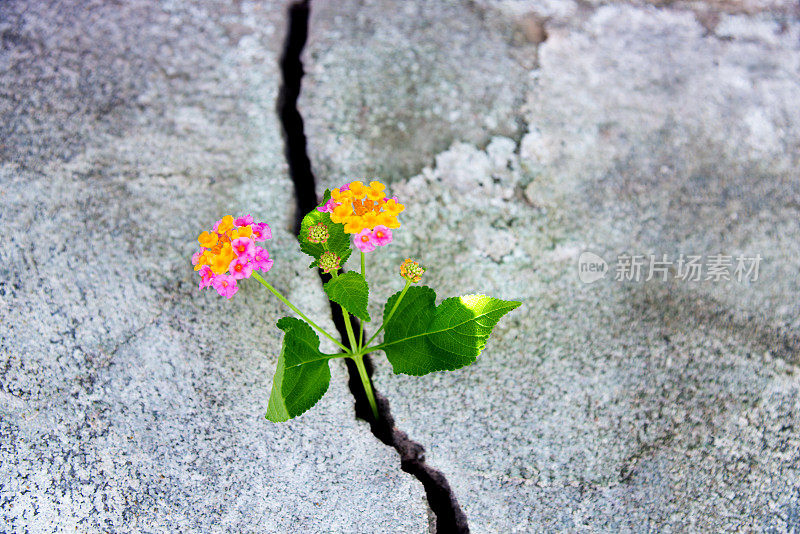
(243, 247)
(240, 268)
(361, 244)
(225, 285)
(264, 265)
(381, 241)
(261, 232)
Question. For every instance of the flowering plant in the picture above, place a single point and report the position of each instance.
(418, 336)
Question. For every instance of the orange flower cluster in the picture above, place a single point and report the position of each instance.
(364, 207)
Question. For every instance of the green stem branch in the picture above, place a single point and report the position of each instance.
(298, 312)
(362, 372)
(373, 348)
(349, 327)
(361, 324)
(391, 312)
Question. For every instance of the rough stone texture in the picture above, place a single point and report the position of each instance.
(391, 84)
(129, 401)
(519, 134)
(650, 406)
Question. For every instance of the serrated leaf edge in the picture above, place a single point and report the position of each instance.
(348, 273)
(515, 303)
(510, 306)
(288, 324)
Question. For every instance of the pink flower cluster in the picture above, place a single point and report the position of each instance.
(229, 253)
(366, 240)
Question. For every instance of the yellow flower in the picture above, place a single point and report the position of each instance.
(370, 219)
(353, 226)
(340, 196)
(244, 231)
(341, 213)
(389, 221)
(204, 259)
(361, 207)
(221, 262)
(207, 239)
(392, 207)
(357, 189)
(375, 194)
(225, 224)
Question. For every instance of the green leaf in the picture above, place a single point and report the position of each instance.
(302, 376)
(350, 291)
(421, 337)
(338, 241)
(276, 409)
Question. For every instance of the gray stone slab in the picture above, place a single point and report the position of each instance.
(130, 401)
(650, 406)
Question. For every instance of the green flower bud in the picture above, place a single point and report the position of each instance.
(318, 233)
(329, 261)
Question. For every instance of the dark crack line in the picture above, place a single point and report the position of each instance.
(294, 137)
(441, 498)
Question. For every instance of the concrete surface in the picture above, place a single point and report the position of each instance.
(634, 407)
(519, 134)
(391, 84)
(129, 401)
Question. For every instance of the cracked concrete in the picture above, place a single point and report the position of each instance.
(130, 401)
(519, 134)
(655, 406)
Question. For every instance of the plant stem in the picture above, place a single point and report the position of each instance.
(373, 348)
(391, 312)
(349, 326)
(362, 372)
(298, 312)
(361, 323)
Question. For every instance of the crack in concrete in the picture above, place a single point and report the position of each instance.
(441, 499)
